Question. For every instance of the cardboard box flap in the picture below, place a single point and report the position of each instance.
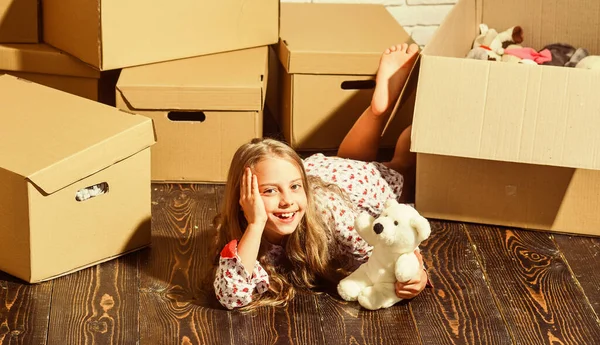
(508, 112)
(19, 21)
(227, 81)
(322, 38)
(63, 138)
(455, 35)
(75, 26)
(41, 58)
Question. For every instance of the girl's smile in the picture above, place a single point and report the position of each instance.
(287, 217)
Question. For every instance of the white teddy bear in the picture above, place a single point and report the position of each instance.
(394, 235)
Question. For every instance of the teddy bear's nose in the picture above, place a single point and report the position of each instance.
(378, 228)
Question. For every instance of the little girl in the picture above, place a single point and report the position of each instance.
(288, 223)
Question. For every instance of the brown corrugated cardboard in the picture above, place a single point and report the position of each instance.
(273, 96)
(510, 144)
(19, 21)
(204, 108)
(330, 54)
(54, 145)
(116, 34)
(45, 65)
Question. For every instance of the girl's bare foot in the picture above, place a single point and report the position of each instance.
(394, 67)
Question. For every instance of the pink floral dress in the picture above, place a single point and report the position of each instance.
(368, 186)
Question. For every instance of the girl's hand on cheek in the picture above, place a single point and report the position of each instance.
(251, 201)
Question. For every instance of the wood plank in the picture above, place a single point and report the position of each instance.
(174, 305)
(24, 311)
(460, 308)
(348, 323)
(297, 323)
(533, 287)
(583, 256)
(97, 305)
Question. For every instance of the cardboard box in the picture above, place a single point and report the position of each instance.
(19, 21)
(204, 108)
(330, 54)
(54, 145)
(45, 65)
(510, 144)
(116, 34)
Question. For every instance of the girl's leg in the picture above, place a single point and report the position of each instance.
(403, 158)
(362, 141)
(404, 162)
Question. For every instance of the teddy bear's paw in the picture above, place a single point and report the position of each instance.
(368, 299)
(390, 302)
(363, 222)
(407, 274)
(349, 290)
(407, 267)
(378, 296)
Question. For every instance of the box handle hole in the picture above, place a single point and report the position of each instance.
(194, 116)
(358, 84)
(91, 191)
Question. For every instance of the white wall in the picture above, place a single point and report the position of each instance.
(420, 18)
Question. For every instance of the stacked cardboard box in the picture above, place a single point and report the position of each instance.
(78, 172)
(305, 81)
(327, 71)
(117, 34)
(510, 144)
(48, 66)
(204, 108)
(108, 36)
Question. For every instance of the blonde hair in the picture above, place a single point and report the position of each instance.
(308, 255)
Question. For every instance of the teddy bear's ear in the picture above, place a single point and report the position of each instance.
(422, 226)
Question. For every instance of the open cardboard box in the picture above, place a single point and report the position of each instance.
(329, 55)
(510, 144)
(19, 21)
(48, 66)
(53, 146)
(204, 108)
(116, 34)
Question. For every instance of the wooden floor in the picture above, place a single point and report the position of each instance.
(491, 286)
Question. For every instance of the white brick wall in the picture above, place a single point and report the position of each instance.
(420, 18)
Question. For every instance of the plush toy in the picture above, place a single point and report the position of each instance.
(589, 62)
(561, 53)
(512, 58)
(480, 53)
(495, 41)
(580, 54)
(529, 54)
(565, 54)
(394, 235)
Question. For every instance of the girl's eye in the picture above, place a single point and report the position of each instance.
(296, 186)
(269, 191)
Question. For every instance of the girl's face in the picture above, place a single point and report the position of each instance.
(282, 190)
